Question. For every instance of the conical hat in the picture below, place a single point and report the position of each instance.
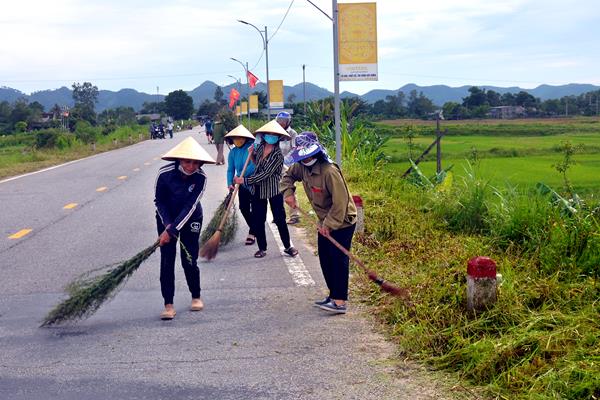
(189, 149)
(274, 128)
(240, 131)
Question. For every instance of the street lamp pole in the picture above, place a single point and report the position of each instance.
(239, 83)
(336, 79)
(245, 66)
(336, 85)
(265, 40)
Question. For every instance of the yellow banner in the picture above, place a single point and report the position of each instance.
(253, 103)
(357, 40)
(238, 110)
(276, 93)
(244, 107)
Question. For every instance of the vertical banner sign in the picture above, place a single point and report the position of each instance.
(253, 103)
(276, 93)
(238, 110)
(357, 36)
(244, 107)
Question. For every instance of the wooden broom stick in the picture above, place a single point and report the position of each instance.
(211, 247)
(385, 285)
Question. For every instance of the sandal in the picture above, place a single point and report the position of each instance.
(250, 240)
(291, 251)
(260, 254)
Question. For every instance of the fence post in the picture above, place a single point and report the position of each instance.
(481, 283)
(94, 146)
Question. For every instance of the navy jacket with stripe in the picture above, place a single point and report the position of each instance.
(177, 196)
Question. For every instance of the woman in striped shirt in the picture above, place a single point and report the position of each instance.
(264, 184)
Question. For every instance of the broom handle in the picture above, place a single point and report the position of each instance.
(232, 199)
(338, 245)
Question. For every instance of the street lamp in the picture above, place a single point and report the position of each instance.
(265, 40)
(245, 66)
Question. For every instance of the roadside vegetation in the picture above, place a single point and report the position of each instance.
(524, 193)
(541, 340)
(32, 139)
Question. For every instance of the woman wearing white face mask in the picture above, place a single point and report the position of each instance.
(264, 185)
(329, 197)
(179, 188)
(242, 139)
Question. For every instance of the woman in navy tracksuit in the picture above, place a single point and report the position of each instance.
(179, 188)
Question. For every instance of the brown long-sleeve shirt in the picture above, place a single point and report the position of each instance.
(326, 190)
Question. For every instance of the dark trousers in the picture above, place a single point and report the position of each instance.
(259, 216)
(245, 199)
(189, 236)
(334, 263)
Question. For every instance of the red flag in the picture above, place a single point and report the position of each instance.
(252, 79)
(234, 96)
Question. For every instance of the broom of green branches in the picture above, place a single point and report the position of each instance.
(211, 247)
(228, 229)
(87, 293)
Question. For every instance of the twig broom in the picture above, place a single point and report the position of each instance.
(87, 294)
(228, 229)
(211, 247)
(386, 286)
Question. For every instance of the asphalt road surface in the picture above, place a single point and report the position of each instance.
(258, 338)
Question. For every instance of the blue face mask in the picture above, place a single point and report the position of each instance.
(271, 139)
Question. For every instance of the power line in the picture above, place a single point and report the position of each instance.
(281, 23)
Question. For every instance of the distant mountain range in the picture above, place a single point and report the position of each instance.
(439, 94)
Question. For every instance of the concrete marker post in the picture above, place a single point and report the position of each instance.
(481, 284)
(360, 214)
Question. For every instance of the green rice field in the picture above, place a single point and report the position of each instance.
(516, 158)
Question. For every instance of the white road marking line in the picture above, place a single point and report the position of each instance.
(295, 265)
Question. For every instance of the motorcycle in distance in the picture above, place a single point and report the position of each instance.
(157, 132)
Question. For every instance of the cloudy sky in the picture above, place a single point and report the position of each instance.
(178, 44)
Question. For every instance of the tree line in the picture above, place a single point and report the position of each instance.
(21, 116)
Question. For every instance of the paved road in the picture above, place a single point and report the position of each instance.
(258, 338)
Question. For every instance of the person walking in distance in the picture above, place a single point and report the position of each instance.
(208, 128)
(330, 198)
(178, 190)
(285, 120)
(242, 139)
(264, 185)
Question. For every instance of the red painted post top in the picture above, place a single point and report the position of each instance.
(358, 201)
(481, 267)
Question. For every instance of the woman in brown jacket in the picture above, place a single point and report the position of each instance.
(329, 197)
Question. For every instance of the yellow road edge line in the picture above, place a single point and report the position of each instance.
(122, 177)
(70, 206)
(101, 189)
(19, 234)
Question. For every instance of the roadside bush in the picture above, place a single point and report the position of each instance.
(20, 126)
(85, 132)
(46, 139)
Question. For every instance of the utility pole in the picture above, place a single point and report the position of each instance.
(566, 107)
(268, 85)
(304, 86)
(247, 95)
(438, 146)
